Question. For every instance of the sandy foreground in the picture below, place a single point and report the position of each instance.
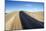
(13, 21)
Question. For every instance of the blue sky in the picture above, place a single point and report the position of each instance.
(23, 5)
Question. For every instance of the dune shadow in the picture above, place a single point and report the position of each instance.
(28, 22)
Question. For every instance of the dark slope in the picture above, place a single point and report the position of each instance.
(28, 22)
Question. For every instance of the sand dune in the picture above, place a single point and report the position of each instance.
(13, 21)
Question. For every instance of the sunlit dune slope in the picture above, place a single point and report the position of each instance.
(13, 21)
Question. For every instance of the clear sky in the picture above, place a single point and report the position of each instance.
(23, 5)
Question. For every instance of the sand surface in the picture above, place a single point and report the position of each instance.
(13, 21)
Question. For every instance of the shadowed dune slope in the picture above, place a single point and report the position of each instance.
(28, 22)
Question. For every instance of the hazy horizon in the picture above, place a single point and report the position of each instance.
(23, 5)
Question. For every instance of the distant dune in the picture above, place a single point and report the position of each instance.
(37, 15)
